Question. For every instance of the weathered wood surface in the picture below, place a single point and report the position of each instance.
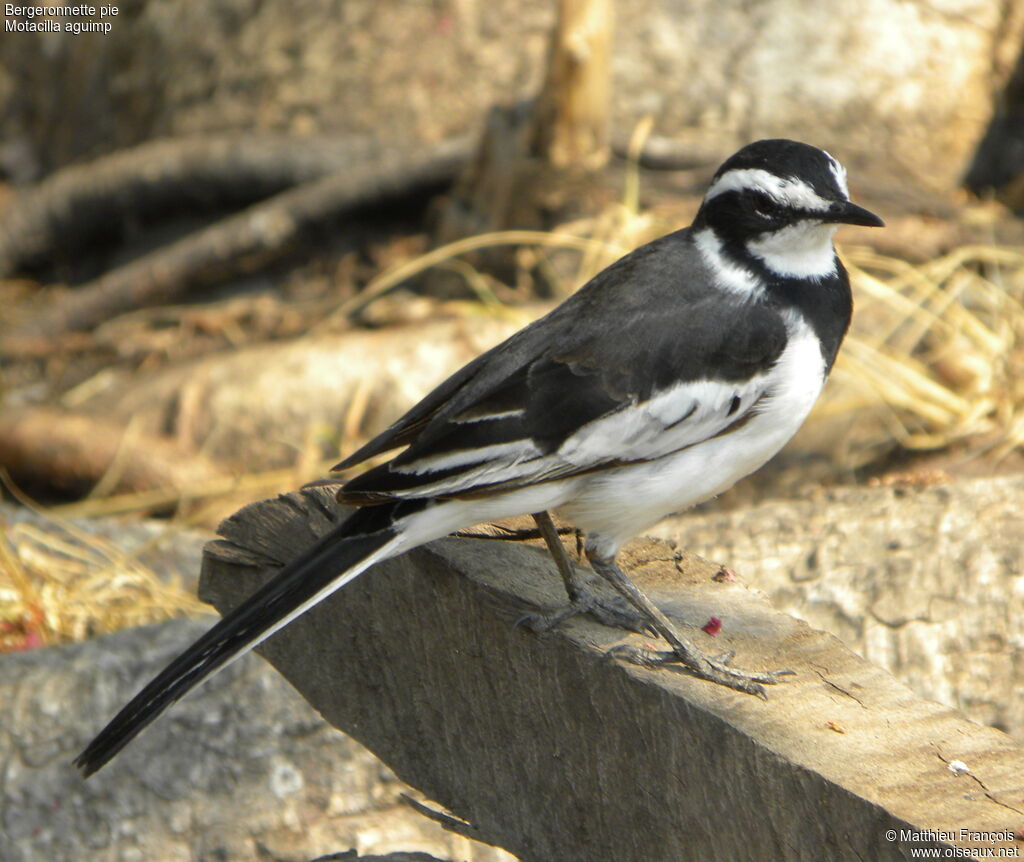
(573, 110)
(927, 582)
(552, 750)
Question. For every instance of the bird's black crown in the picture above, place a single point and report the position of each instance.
(790, 160)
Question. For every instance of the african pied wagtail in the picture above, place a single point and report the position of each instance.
(675, 372)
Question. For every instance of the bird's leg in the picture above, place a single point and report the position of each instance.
(549, 532)
(582, 599)
(706, 667)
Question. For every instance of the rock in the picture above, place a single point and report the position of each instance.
(243, 769)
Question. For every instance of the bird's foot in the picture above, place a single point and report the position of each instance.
(609, 610)
(715, 669)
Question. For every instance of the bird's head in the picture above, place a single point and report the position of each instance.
(774, 205)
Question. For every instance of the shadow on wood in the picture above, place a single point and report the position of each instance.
(555, 752)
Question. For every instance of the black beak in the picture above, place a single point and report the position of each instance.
(845, 212)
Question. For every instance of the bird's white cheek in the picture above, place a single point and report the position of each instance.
(802, 250)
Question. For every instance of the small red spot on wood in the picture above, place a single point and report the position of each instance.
(713, 626)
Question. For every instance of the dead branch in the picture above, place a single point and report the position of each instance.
(77, 452)
(540, 162)
(571, 113)
(82, 204)
(240, 243)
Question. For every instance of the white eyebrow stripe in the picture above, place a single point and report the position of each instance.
(839, 172)
(786, 190)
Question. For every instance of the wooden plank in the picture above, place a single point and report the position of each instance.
(556, 752)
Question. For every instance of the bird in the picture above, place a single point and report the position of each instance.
(673, 373)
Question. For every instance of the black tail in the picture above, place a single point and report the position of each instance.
(328, 564)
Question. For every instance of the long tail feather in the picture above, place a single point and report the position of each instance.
(329, 564)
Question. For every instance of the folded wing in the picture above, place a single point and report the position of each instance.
(557, 401)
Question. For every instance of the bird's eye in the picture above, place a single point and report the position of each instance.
(765, 207)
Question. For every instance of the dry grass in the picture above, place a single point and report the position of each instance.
(58, 584)
(936, 355)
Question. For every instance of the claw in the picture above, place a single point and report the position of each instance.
(712, 669)
(540, 622)
(608, 611)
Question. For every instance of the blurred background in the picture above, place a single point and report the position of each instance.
(238, 238)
